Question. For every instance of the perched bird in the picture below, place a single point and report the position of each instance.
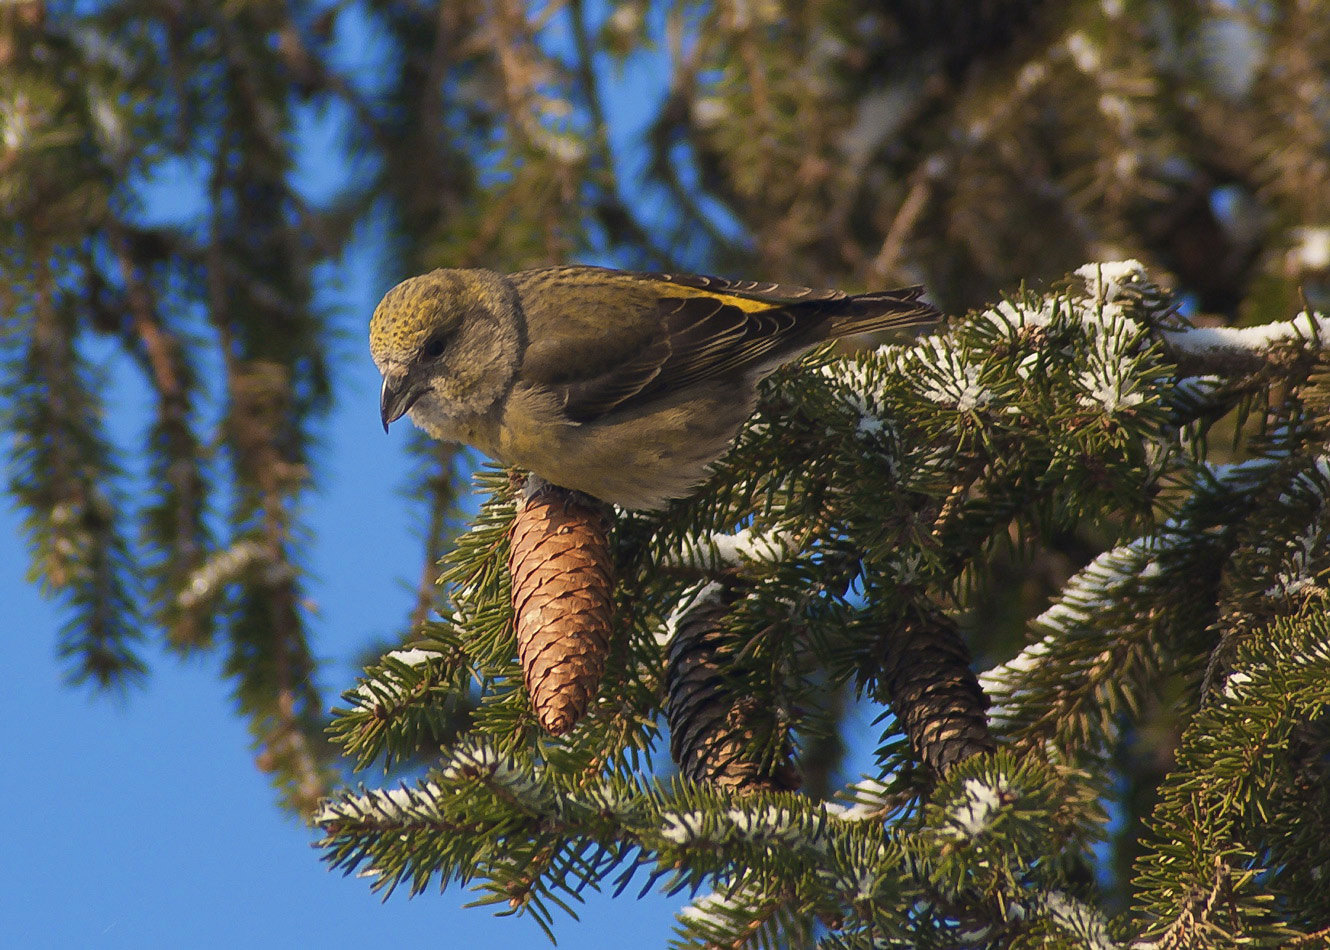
(621, 385)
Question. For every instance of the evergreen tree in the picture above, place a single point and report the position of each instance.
(1117, 511)
(835, 547)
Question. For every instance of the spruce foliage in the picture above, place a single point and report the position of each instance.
(857, 509)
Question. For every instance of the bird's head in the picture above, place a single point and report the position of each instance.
(449, 342)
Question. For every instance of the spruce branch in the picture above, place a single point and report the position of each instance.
(1278, 567)
(1230, 810)
(65, 475)
(1097, 642)
(405, 701)
(1242, 351)
(529, 835)
(176, 524)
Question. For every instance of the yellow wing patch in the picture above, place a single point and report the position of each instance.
(746, 304)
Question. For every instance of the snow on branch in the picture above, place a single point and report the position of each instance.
(765, 827)
(386, 682)
(223, 567)
(977, 808)
(1086, 348)
(1106, 281)
(1305, 327)
(1096, 586)
(1234, 350)
(1078, 920)
(380, 806)
(474, 764)
(1083, 602)
(717, 910)
(715, 552)
(871, 800)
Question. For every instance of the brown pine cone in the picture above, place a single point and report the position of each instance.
(926, 679)
(562, 584)
(716, 734)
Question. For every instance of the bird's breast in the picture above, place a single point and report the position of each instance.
(639, 462)
(532, 430)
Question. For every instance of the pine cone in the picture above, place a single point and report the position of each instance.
(562, 583)
(926, 675)
(716, 735)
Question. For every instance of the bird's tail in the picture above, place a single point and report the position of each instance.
(881, 310)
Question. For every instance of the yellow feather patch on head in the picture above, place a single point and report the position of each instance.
(411, 311)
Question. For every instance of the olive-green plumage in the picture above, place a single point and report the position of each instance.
(622, 385)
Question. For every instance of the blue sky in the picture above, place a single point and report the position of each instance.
(139, 820)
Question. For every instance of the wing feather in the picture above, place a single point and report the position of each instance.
(674, 331)
(762, 291)
(699, 339)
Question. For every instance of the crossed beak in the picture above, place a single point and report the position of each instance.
(396, 397)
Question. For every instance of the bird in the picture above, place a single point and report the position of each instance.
(623, 385)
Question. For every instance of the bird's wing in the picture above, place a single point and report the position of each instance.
(669, 332)
(698, 339)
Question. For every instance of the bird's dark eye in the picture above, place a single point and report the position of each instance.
(433, 348)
